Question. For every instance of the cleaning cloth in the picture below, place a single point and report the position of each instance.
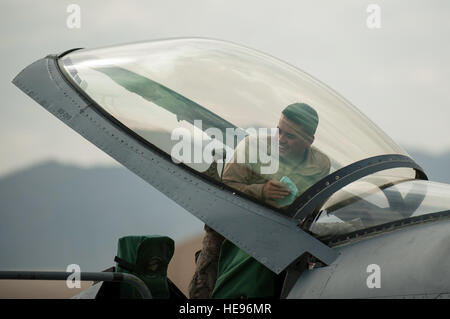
(288, 200)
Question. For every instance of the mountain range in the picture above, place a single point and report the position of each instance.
(53, 215)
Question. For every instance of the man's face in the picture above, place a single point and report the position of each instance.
(292, 143)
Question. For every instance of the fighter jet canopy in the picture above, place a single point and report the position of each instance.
(156, 87)
(197, 99)
(209, 123)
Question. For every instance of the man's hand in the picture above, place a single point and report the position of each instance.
(273, 190)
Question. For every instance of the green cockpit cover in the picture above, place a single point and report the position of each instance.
(241, 276)
(149, 257)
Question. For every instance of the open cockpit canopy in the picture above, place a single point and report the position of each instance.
(209, 123)
(206, 102)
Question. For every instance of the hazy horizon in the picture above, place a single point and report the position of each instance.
(113, 163)
(398, 75)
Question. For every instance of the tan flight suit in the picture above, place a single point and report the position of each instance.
(303, 173)
(246, 177)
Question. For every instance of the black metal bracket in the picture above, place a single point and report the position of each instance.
(62, 54)
(125, 264)
(323, 189)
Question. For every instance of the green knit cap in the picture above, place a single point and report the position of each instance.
(304, 115)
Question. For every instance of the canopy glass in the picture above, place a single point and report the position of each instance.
(207, 102)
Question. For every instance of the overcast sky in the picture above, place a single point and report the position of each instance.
(398, 75)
